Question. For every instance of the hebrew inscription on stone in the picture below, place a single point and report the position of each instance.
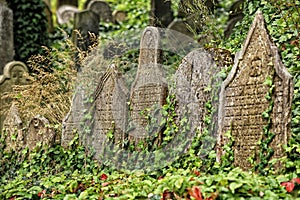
(111, 107)
(149, 89)
(195, 75)
(243, 98)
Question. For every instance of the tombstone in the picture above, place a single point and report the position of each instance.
(161, 14)
(48, 13)
(195, 75)
(235, 15)
(149, 89)
(102, 9)
(86, 26)
(119, 16)
(243, 98)
(72, 122)
(65, 13)
(180, 26)
(6, 35)
(67, 2)
(12, 129)
(111, 109)
(39, 131)
(13, 74)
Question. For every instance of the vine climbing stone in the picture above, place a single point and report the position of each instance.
(111, 109)
(196, 86)
(149, 89)
(255, 99)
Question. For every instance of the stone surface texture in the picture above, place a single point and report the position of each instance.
(243, 97)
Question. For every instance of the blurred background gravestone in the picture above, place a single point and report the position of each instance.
(13, 74)
(67, 2)
(255, 99)
(235, 15)
(102, 9)
(66, 13)
(86, 29)
(48, 13)
(6, 35)
(161, 14)
(149, 89)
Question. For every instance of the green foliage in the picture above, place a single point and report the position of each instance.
(30, 27)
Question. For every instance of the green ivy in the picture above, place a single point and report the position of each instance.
(30, 27)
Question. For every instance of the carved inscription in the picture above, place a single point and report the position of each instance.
(243, 98)
(111, 108)
(149, 89)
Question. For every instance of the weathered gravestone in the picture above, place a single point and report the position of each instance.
(119, 16)
(39, 131)
(12, 129)
(86, 29)
(111, 109)
(65, 13)
(49, 15)
(197, 84)
(102, 9)
(161, 14)
(13, 74)
(149, 89)
(243, 98)
(6, 35)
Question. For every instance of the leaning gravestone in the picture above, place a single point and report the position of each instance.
(6, 35)
(13, 74)
(86, 23)
(111, 109)
(12, 129)
(65, 13)
(102, 9)
(161, 14)
(197, 84)
(39, 131)
(149, 89)
(243, 98)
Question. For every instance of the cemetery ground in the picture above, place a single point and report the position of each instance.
(49, 104)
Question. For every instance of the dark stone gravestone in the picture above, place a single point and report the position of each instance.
(13, 74)
(12, 129)
(161, 14)
(48, 13)
(6, 35)
(39, 131)
(86, 29)
(246, 107)
(65, 13)
(111, 109)
(235, 15)
(102, 9)
(67, 2)
(149, 89)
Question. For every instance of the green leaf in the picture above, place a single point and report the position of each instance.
(234, 185)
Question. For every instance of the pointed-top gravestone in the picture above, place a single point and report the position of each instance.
(12, 129)
(111, 108)
(255, 97)
(6, 35)
(149, 90)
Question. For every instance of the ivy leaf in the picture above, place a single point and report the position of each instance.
(234, 185)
